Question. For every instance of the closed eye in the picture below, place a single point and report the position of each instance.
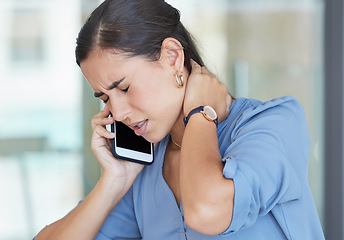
(106, 100)
(125, 90)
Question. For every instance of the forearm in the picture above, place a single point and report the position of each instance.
(206, 194)
(85, 221)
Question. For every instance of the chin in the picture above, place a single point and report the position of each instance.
(154, 139)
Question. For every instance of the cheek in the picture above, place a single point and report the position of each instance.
(157, 95)
(153, 92)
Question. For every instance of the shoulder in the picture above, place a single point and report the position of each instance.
(280, 105)
(283, 116)
(244, 109)
(279, 110)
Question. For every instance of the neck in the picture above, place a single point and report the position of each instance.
(177, 130)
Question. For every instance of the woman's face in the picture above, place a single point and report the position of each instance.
(140, 93)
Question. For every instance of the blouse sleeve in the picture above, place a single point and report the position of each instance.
(121, 223)
(267, 159)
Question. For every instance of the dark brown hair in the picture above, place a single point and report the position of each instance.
(136, 28)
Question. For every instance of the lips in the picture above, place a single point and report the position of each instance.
(140, 124)
(140, 127)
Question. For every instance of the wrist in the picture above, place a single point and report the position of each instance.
(208, 113)
(111, 188)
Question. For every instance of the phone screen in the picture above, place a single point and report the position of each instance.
(126, 138)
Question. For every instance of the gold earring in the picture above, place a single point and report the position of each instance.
(180, 80)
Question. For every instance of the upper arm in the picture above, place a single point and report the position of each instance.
(267, 161)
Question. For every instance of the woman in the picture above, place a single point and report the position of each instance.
(240, 174)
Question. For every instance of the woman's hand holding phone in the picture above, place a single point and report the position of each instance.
(101, 146)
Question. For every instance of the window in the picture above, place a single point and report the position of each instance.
(40, 114)
(26, 36)
(266, 49)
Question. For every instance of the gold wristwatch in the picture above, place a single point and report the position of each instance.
(208, 112)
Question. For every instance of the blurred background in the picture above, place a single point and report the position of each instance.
(259, 48)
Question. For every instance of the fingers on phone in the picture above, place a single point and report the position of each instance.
(101, 131)
(105, 113)
(106, 121)
(100, 120)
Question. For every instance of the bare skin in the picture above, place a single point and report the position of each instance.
(193, 172)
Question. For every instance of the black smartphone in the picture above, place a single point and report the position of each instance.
(130, 147)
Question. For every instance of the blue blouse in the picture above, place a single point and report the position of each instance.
(265, 149)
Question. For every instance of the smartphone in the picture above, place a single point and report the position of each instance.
(130, 147)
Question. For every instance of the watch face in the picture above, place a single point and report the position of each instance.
(210, 112)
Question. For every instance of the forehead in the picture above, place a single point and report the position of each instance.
(102, 62)
(100, 66)
(99, 57)
(104, 66)
(110, 59)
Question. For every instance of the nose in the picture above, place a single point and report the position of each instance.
(119, 109)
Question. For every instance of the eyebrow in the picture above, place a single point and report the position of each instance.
(112, 86)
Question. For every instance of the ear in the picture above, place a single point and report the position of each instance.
(172, 53)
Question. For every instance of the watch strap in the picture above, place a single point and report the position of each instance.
(192, 112)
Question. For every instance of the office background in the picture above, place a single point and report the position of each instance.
(259, 48)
